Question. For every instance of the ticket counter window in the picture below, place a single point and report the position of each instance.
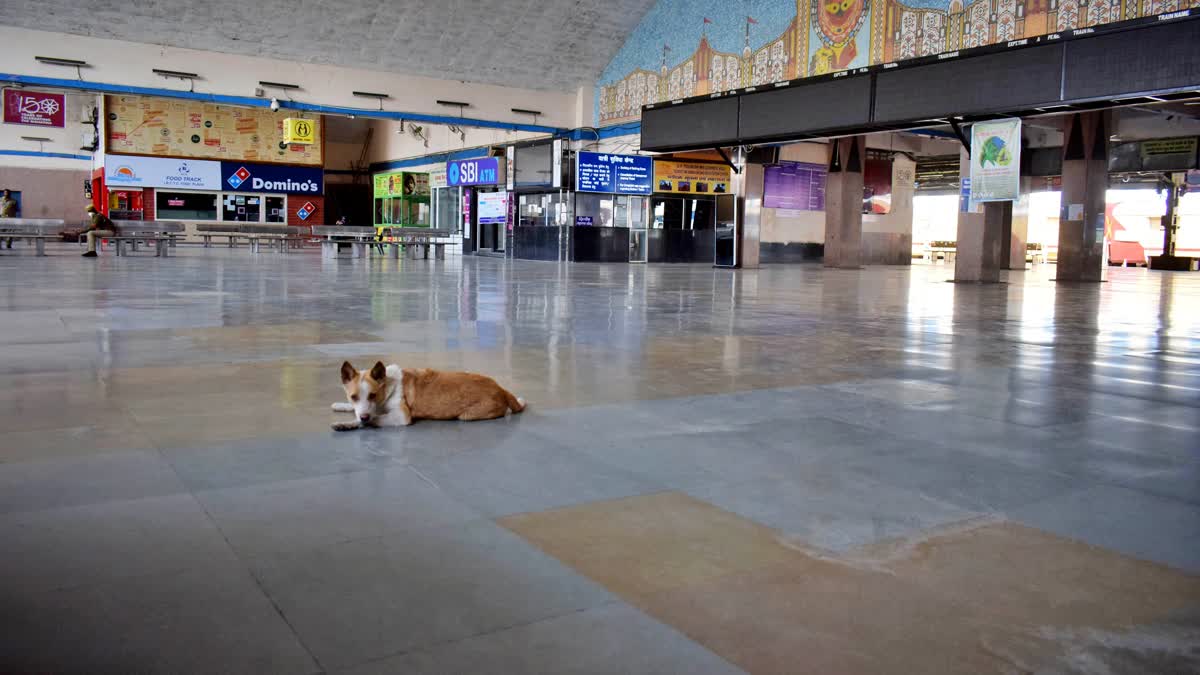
(185, 205)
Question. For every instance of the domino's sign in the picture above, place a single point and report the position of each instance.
(480, 171)
(295, 180)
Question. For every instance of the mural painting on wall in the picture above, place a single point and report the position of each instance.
(688, 48)
(153, 126)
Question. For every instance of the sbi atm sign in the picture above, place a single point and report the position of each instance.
(481, 171)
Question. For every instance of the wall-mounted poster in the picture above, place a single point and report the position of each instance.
(401, 184)
(797, 186)
(35, 108)
(692, 178)
(996, 161)
(493, 208)
(877, 183)
(172, 128)
(614, 174)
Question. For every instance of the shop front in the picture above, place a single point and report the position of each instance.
(200, 191)
(482, 200)
(693, 203)
(402, 199)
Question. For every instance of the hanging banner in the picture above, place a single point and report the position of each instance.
(691, 178)
(996, 161)
(299, 131)
(35, 108)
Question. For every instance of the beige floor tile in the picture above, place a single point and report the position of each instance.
(647, 544)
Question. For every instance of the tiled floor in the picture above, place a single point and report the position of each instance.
(788, 470)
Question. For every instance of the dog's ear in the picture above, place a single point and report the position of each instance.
(348, 372)
(378, 372)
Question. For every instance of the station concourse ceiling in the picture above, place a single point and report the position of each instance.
(551, 45)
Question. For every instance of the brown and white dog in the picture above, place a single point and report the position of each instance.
(389, 396)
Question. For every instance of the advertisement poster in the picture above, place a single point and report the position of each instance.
(493, 208)
(153, 126)
(996, 161)
(160, 172)
(692, 178)
(614, 174)
(34, 108)
(877, 183)
(401, 184)
(798, 186)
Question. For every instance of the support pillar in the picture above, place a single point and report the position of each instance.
(980, 235)
(844, 202)
(1018, 231)
(1084, 183)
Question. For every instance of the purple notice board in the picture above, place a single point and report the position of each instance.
(794, 185)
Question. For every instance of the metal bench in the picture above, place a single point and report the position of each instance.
(284, 236)
(416, 239)
(359, 237)
(33, 230)
(133, 232)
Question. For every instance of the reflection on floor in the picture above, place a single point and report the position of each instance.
(788, 470)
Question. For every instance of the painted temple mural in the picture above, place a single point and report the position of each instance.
(693, 47)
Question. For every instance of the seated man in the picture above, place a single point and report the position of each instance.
(99, 226)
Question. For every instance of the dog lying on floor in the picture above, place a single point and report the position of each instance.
(389, 396)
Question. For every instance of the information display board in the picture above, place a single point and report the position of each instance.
(493, 208)
(798, 186)
(614, 174)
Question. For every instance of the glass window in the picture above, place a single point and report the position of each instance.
(276, 209)
(185, 205)
(448, 209)
(593, 209)
(241, 208)
(554, 208)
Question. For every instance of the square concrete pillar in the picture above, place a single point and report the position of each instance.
(1018, 230)
(844, 202)
(1084, 184)
(980, 237)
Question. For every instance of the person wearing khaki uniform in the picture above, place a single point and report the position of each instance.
(8, 209)
(99, 227)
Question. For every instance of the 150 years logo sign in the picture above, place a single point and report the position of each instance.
(35, 108)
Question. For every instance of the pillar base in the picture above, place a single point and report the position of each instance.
(1174, 263)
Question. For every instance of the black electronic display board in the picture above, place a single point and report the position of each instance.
(703, 124)
(800, 109)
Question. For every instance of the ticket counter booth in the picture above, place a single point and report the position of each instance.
(692, 201)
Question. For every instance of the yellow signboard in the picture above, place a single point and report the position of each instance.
(692, 178)
(299, 131)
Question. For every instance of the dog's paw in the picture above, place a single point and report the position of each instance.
(345, 426)
(342, 407)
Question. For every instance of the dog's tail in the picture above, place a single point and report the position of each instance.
(515, 403)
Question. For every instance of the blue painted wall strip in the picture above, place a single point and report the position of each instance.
(35, 153)
(251, 102)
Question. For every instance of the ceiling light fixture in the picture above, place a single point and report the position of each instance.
(55, 61)
(523, 111)
(454, 104)
(40, 140)
(178, 75)
(370, 94)
(277, 85)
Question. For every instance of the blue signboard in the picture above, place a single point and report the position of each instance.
(614, 174)
(294, 180)
(479, 171)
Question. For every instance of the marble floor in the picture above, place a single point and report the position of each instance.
(786, 470)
